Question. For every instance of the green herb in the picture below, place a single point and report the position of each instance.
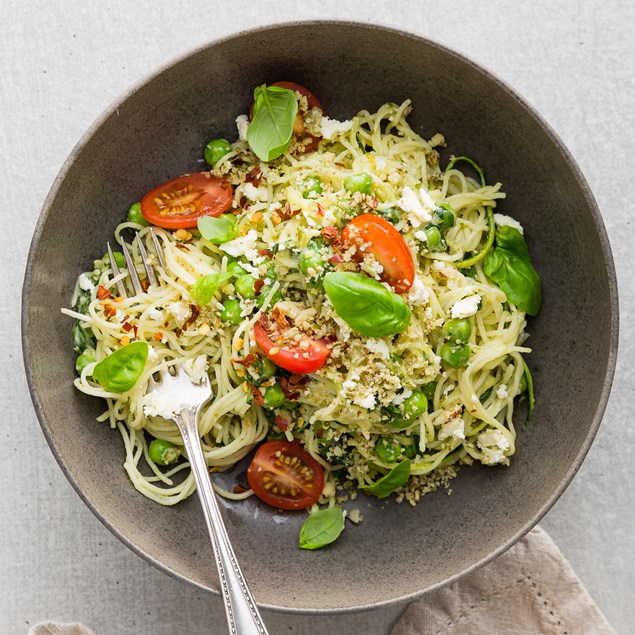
(366, 305)
(489, 241)
(322, 528)
(271, 128)
(203, 290)
(530, 393)
(219, 229)
(87, 357)
(83, 337)
(386, 485)
(120, 371)
(509, 266)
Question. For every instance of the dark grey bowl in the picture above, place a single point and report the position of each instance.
(156, 132)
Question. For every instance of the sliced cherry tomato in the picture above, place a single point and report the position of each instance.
(179, 202)
(378, 237)
(282, 474)
(305, 356)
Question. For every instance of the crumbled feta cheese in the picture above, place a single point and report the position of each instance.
(243, 246)
(448, 389)
(365, 401)
(421, 235)
(155, 314)
(466, 307)
(255, 193)
(501, 220)
(409, 203)
(196, 368)
(501, 392)
(399, 399)
(493, 444)
(333, 127)
(349, 384)
(84, 283)
(242, 123)
(426, 199)
(159, 404)
(455, 429)
(180, 311)
(355, 516)
(437, 140)
(418, 293)
(379, 347)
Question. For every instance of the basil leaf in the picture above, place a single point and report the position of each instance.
(120, 371)
(218, 230)
(386, 485)
(509, 266)
(271, 128)
(365, 305)
(321, 528)
(203, 290)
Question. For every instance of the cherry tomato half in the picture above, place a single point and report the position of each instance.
(179, 202)
(283, 475)
(378, 237)
(305, 356)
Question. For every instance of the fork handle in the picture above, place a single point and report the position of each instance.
(243, 617)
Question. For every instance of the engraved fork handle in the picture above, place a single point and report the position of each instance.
(243, 617)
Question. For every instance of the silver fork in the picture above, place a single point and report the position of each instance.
(188, 398)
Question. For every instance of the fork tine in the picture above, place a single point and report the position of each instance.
(115, 269)
(132, 272)
(144, 258)
(157, 247)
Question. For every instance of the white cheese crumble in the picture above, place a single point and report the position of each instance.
(155, 314)
(421, 235)
(455, 429)
(333, 127)
(243, 246)
(417, 213)
(196, 368)
(379, 347)
(365, 401)
(242, 123)
(501, 220)
(84, 283)
(418, 293)
(255, 193)
(159, 404)
(180, 311)
(501, 392)
(466, 307)
(493, 444)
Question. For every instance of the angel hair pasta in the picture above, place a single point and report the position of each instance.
(355, 305)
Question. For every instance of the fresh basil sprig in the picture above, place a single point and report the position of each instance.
(509, 266)
(120, 371)
(321, 528)
(387, 484)
(366, 305)
(218, 230)
(271, 128)
(203, 290)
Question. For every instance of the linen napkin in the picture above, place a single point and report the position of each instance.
(529, 590)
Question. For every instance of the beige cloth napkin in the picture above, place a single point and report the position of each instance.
(529, 590)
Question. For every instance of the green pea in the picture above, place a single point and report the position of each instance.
(388, 451)
(231, 312)
(411, 447)
(87, 357)
(413, 407)
(311, 261)
(457, 329)
(163, 452)
(264, 293)
(244, 286)
(312, 187)
(392, 214)
(135, 215)
(361, 182)
(434, 240)
(215, 150)
(236, 269)
(265, 367)
(119, 258)
(444, 216)
(273, 397)
(455, 355)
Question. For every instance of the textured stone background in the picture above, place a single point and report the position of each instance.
(63, 63)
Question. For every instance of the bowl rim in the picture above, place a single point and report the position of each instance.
(111, 109)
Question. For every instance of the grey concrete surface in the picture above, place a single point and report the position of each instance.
(62, 63)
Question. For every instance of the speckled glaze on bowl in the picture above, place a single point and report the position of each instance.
(158, 131)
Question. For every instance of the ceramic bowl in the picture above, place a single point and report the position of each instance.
(157, 131)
